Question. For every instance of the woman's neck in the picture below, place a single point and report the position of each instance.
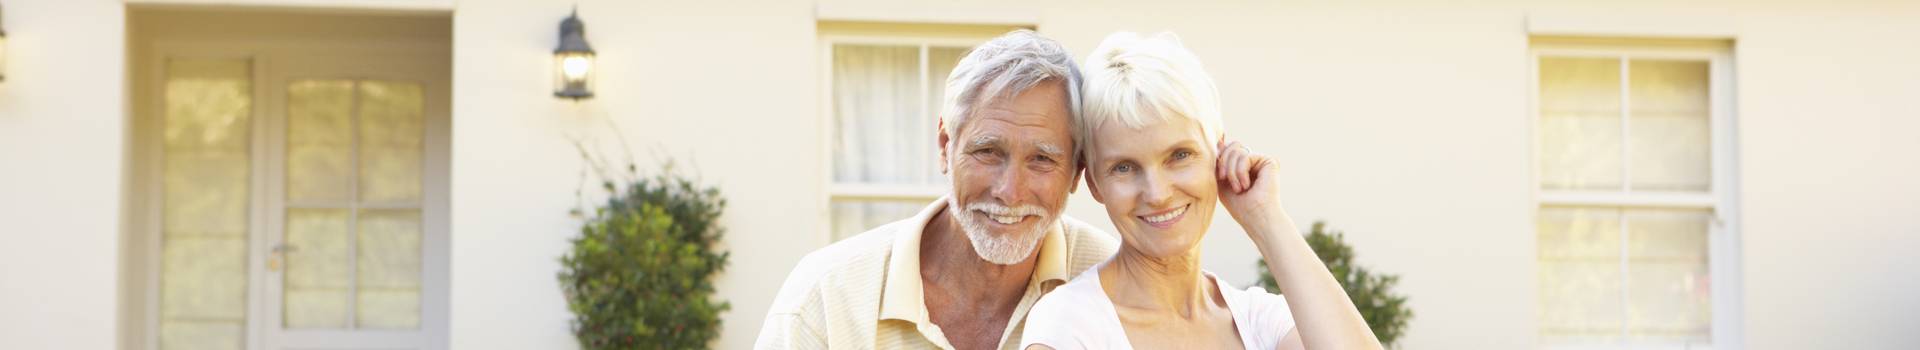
(1172, 284)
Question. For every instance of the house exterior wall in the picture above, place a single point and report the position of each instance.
(62, 133)
(1403, 123)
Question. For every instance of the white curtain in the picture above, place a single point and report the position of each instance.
(885, 127)
(881, 124)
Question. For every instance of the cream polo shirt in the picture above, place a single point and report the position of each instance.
(864, 292)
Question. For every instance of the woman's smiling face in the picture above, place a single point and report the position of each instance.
(1157, 182)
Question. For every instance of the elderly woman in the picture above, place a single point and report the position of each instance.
(1156, 158)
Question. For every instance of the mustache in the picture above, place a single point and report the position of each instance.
(998, 209)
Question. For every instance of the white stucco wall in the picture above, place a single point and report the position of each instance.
(725, 86)
(1829, 108)
(1403, 124)
(1407, 126)
(62, 124)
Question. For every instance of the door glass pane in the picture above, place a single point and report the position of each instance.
(356, 263)
(319, 140)
(208, 335)
(390, 142)
(1580, 123)
(206, 130)
(317, 280)
(1579, 274)
(389, 269)
(1670, 134)
(1667, 291)
(205, 278)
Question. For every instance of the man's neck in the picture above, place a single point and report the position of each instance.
(970, 298)
(947, 260)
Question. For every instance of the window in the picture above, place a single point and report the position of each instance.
(885, 87)
(1636, 243)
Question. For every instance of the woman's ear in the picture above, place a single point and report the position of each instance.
(1079, 168)
(1093, 188)
(1219, 144)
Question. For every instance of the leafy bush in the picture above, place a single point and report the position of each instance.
(1386, 312)
(639, 276)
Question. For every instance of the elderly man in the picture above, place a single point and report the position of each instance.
(962, 273)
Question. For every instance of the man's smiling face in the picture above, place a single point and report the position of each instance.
(1013, 166)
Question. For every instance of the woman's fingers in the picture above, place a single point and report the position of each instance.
(1223, 166)
(1230, 152)
(1242, 169)
(1233, 170)
(1237, 167)
(1263, 168)
(1232, 166)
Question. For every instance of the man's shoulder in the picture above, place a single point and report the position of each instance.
(854, 263)
(1087, 245)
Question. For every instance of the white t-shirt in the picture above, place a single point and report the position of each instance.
(1078, 315)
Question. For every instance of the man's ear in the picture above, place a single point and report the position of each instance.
(941, 126)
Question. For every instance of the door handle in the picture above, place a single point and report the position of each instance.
(276, 259)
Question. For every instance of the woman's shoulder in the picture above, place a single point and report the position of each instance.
(1258, 312)
(1081, 294)
(1061, 318)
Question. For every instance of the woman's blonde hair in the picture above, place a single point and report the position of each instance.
(1136, 80)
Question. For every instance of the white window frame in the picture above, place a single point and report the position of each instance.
(864, 191)
(1721, 199)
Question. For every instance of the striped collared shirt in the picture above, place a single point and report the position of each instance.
(864, 292)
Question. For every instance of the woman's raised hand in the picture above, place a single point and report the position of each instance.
(1327, 319)
(1248, 185)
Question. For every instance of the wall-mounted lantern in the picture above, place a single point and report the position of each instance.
(573, 60)
(3, 47)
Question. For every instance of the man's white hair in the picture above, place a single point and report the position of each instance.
(1004, 67)
(1136, 80)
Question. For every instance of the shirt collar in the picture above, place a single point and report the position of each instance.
(902, 295)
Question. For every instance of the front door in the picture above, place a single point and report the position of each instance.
(348, 211)
(302, 197)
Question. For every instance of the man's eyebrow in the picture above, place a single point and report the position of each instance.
(1049, 149)
(984, 140)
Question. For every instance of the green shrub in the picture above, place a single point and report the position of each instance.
(1386, 312)
(640, 275)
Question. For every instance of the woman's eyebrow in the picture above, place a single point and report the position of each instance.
(1188, 144)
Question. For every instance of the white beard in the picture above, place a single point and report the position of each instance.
(1000, 250)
